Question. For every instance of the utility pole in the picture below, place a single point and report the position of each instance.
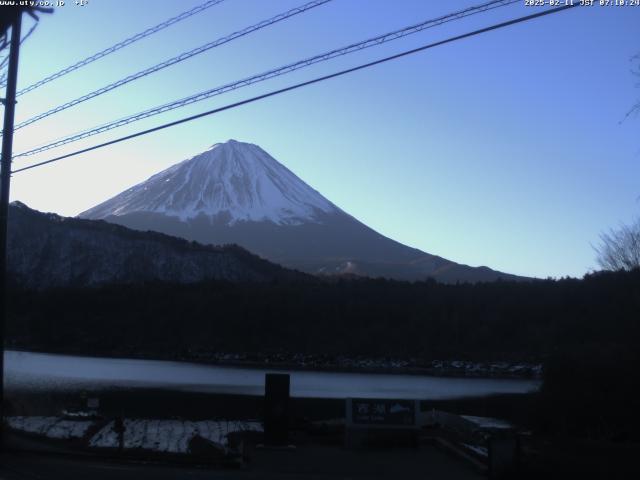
(5, 180)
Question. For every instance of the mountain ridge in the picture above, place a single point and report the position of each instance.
(46, 250)
(219, 197)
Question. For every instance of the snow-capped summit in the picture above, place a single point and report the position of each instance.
(231, 181)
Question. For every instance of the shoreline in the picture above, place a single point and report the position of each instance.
(443, 368)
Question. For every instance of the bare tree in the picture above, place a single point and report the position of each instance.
(619, 249)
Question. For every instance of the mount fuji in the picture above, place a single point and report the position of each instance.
(236, 192)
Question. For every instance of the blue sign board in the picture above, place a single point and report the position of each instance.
(381, 412)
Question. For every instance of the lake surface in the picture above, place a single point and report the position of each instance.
(27, 371)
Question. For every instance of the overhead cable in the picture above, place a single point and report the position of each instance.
(120, 45)
(380, 39)
(300, 85)
(174, 60)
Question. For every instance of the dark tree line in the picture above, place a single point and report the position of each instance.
(586, 332)
(501, 320)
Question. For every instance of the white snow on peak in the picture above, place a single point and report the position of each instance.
(239, 180)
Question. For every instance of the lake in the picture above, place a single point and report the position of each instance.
(28, 371)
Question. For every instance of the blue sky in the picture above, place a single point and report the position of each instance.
(506, 149)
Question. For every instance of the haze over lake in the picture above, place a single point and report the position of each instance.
(27, 371)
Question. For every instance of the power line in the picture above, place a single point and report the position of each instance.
(122, 44)
(177, 59)
(380, 39)
(302, 84)
(31, 30)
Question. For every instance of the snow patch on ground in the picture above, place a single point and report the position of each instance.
(50, 427)
(172, 436)
(488, 422)
(483, 451)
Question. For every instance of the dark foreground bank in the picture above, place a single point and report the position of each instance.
(317, 430)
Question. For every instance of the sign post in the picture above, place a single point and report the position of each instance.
(276, 409)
